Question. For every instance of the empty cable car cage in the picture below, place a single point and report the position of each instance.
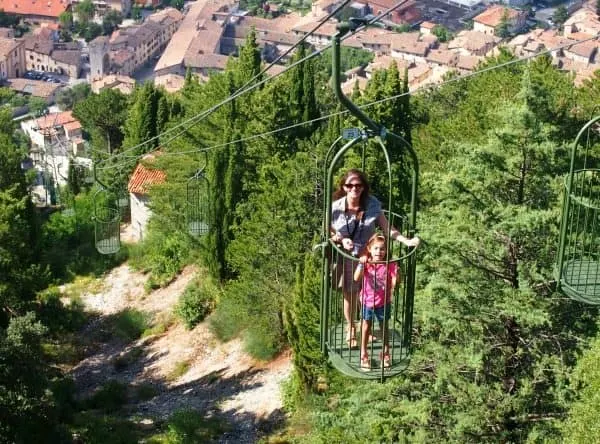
(107, 222)
(198, 202)
(578, 262)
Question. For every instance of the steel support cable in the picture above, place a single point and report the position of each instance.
(376, 102)
(423, 88)
(246, 87)
(242, 91)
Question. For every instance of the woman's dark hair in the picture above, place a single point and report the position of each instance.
(341, 192)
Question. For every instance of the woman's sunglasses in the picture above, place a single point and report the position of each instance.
(358, 186)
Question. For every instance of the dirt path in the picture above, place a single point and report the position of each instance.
(219, 380)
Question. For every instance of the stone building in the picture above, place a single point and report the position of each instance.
(129, 48)
(12, 58)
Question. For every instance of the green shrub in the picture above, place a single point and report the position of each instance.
(93, 429)
(67, 243)
(190, 427)
(229, 318)
(160, 325)
(110, 398)
(124, 360)
(162, 255)
(57, 317)
(129, 324)
(63, 393)
(245, 308)
(27, 411)
(63, 351)
(262, 341)
(180, 369)
(145, 392)
(195, 303)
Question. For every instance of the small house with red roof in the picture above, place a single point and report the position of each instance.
(56, 143)
(143, 178)
(490, 20)
(408, 13)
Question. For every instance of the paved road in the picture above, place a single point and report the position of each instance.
(543, 15)
(146, 72)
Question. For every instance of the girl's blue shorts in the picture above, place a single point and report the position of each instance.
(370, 313)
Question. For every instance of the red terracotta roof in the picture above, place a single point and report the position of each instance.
(493, 15)
(45, 8)
(143, 178)
(70, 126)
(56, 119)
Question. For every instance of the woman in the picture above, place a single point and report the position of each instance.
(355, 215)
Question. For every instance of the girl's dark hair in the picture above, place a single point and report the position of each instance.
(341, 192)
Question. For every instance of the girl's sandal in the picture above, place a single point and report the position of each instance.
(365, 362)
(386, 362)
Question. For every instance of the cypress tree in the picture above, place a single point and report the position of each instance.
(310, 109)
(303, 324)
(74, 179)
(162, 113)
(216, 243)
(297, 86)
(141, 124)
(248, 65)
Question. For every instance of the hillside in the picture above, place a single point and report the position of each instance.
(184, 370)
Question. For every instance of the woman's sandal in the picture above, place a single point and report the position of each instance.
(351, 341)
(365, 362)
(386, 361)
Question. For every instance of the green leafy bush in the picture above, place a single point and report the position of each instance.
(58, 317)
(162, 255)
(110, 398)
(196, 302)
(229, 318)
(67, 243)
(63, 393)
(129, 324)
(190, 427)
(245, 309)
(262, 341)
(29, 413)
(582, 424)
(94, 429)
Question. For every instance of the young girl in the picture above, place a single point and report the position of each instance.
(379, 280)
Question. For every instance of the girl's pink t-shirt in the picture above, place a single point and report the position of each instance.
(377, 281)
